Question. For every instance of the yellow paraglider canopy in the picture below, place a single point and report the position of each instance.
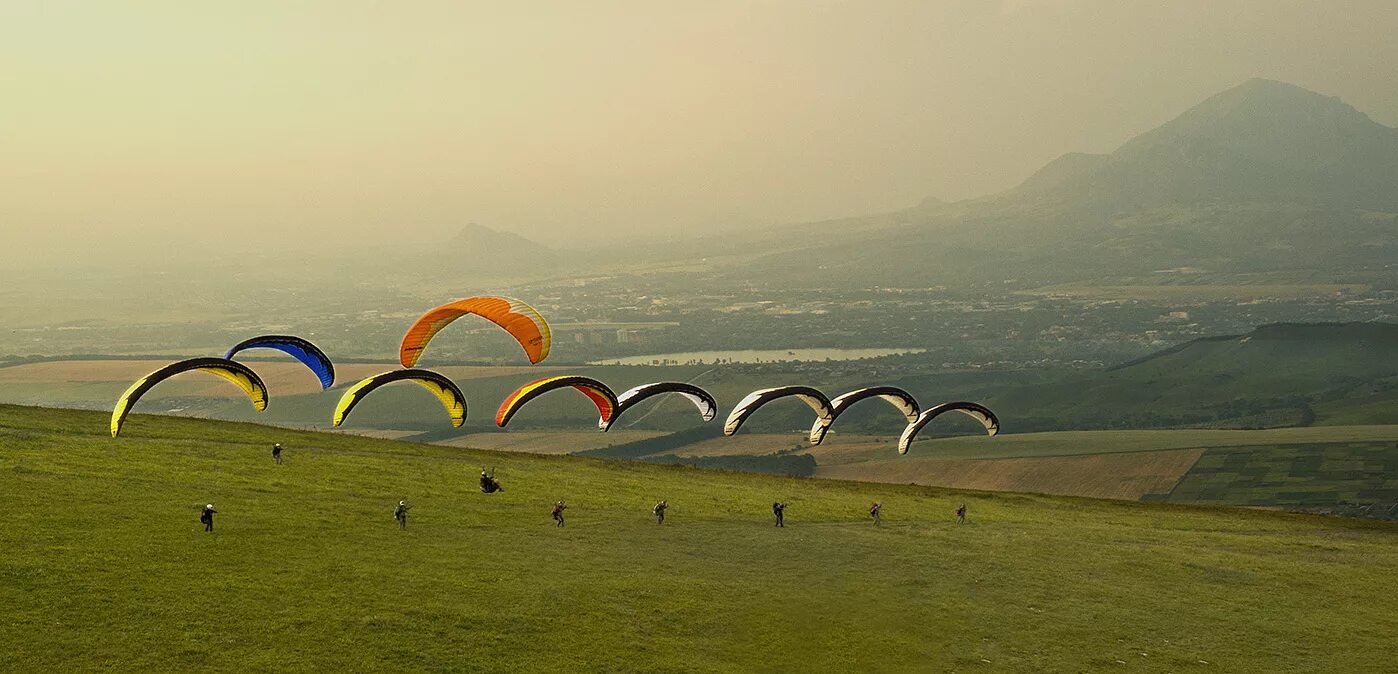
(438, 385)
(233, 371)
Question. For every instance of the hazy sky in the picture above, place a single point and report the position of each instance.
(173, 124)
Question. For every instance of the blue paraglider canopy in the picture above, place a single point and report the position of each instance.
(298, 348)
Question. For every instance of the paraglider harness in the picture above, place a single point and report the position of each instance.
(489, 485)
(557, 513)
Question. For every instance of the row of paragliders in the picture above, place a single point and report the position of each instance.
(532, 332)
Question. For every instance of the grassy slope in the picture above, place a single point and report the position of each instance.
(103, 565)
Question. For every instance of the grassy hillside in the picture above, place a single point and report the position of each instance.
(104, 566)
(1295, 373)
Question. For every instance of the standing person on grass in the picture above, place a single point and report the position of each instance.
(277, 453)
(557, 513)
(779, 511)
(659, 511)
(207, 517)
(401, 514)
(874, 511)
(961, 514)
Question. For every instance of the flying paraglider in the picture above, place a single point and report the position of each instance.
(976, 411)
(596, 391)
(708, 408)
(897, 397)
(813, 398)
(300, 349)
(235, 372)
(519, 319)
(445, 390)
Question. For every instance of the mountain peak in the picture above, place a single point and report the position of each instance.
(1260, 141)
(1261, 86)
(474, 236)
(1261, 108)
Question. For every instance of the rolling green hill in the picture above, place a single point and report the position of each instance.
(102, 565)
(1299, 373)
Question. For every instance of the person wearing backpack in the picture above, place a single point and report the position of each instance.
(207, 517)
(401, 514)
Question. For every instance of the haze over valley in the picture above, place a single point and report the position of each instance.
(1006, 335)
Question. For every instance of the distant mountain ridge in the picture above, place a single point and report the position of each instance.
(474, 239)
(1260, 141)
(1265, 176)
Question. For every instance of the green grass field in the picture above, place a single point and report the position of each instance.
(104, 566)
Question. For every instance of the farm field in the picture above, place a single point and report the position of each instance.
(1117, 476)
(1304, 475)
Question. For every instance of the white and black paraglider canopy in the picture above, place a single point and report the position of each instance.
(813, 398)
(976, 411)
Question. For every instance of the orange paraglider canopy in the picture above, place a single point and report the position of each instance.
(517, 318)
(596, 391)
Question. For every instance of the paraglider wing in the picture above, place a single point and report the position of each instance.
(298, 348)
(897, 397)
(976, 411)
(235, 372)
(708, 407)
(593, 389)
(445, 390)
(745, 407)
(517, 318)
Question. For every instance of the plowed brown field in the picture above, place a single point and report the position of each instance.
(1126, 476)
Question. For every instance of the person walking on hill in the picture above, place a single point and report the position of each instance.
(779, 510)
(874, 511)
(659, 511)
(401, 514)
(207, 517)
(557, 514)
(277, 453)
(961, 514)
